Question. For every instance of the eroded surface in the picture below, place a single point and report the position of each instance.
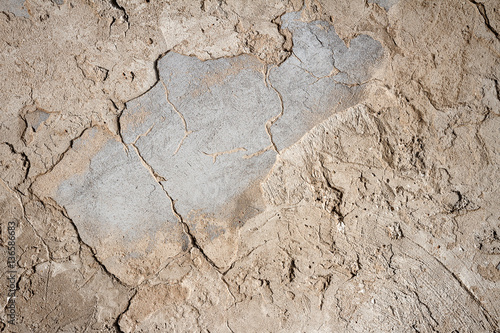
(272, 166)
(206, 134)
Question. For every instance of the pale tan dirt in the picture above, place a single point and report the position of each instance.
(385, 217)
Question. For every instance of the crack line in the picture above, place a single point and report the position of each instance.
(227, 152)
(271, 121)
(482, 12)
(259, 152)
(23, 210)
(143, 134)
(186, 131)
(185, 226)
(153, 173)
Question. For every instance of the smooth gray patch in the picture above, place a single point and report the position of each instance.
(223, 112)
(117, 194)
(15, 7)
(36, 118)
(386, 4)
(324, 77)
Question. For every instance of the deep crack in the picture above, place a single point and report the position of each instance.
(187, 231)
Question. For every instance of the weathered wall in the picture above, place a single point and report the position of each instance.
(250, 166)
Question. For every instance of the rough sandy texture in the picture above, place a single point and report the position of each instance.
(250, 166)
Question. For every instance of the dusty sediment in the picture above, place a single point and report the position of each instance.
(276, 166)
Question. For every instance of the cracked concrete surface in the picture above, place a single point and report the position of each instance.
(264, 166)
